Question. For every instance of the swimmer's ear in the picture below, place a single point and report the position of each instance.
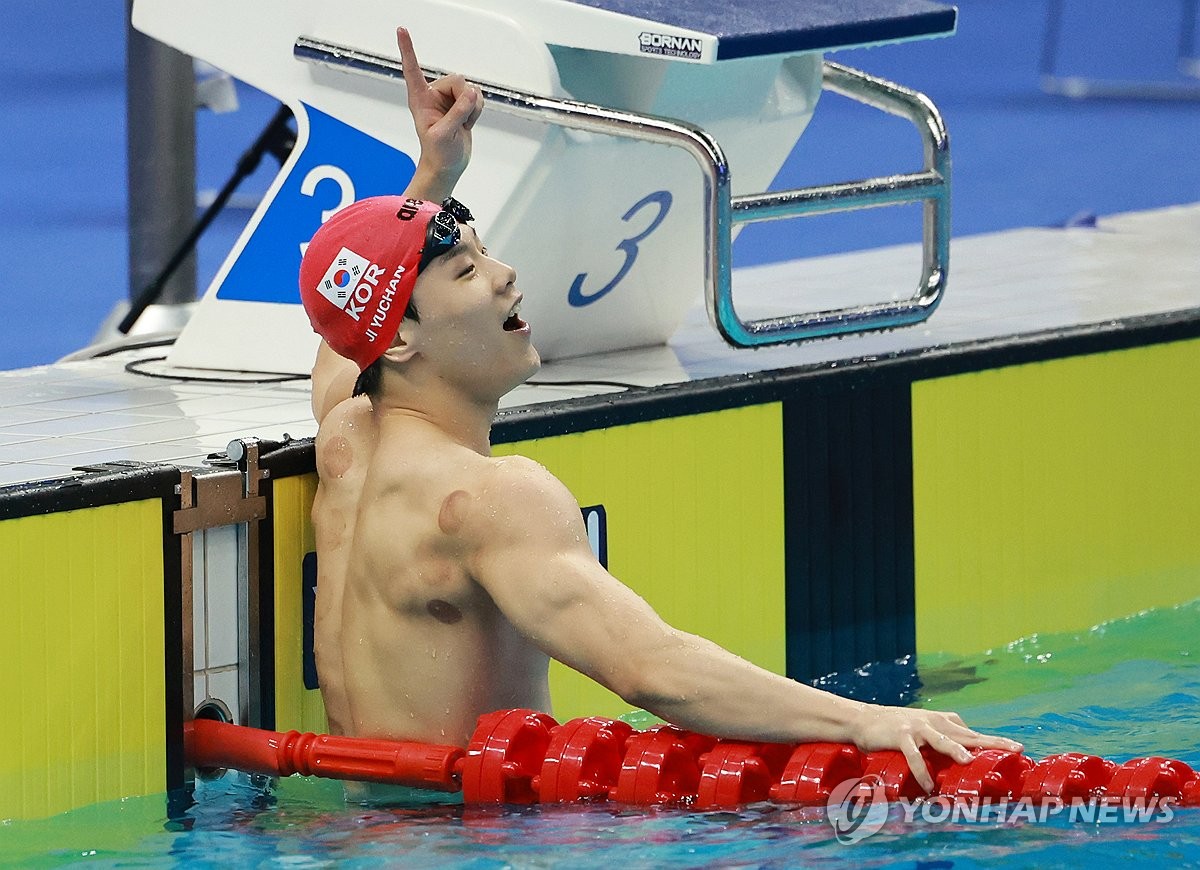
(403, 345)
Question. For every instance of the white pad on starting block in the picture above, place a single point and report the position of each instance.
(606, 233)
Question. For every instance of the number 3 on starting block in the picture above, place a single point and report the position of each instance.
(576, 296)
(333, 165)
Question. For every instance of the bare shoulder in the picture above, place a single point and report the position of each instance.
(333, 380)
(520, 482)
(344, 437)
(518, 494)
(345, 417)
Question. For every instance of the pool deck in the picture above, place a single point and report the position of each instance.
(1005, 288)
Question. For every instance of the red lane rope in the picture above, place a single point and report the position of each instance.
(525, 757)
(209, 743)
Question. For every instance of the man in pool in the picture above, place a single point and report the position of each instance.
(447, 577)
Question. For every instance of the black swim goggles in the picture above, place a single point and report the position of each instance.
(443, 233)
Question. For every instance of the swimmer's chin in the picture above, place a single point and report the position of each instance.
(531, 369)
(535, 366)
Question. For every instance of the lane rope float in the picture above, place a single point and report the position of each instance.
(526, 757)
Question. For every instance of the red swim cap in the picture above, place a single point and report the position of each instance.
(359, 270)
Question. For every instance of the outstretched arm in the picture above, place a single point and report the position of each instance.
(443, 114)
(531, 555)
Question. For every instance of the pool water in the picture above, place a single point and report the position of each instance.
(1123, 689)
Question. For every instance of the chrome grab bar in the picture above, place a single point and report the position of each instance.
(930, 186)
(722, 211)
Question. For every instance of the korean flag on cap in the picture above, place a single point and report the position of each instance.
(342, 277)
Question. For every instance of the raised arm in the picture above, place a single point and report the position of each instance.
(531, 555)
(443, 114)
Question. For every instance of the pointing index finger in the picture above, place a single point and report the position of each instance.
(414, 78)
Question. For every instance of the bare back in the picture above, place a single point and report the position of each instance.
(408, 644)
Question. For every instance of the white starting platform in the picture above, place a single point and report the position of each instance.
(623, 144)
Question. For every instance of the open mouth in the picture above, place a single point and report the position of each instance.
(514, 322)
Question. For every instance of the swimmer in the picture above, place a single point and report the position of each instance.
(447, 577)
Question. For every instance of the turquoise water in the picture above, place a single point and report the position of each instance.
(1124, 689)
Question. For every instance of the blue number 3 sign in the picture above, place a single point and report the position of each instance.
(662, 198)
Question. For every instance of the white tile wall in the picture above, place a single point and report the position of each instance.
(215, 615)
(220, 599)
(199, 688)
(223, 685)
(26, 472)
(199, 608)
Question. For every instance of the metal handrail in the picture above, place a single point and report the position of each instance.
(721, 210)
(931, 186)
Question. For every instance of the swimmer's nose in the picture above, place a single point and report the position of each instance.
(506, 277)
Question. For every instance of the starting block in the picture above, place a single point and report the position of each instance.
(603, 167)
